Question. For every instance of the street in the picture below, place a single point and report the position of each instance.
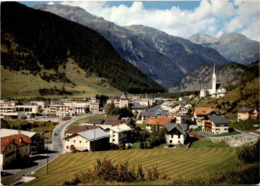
(11, 176)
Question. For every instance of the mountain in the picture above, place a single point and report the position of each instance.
(160, 56)
(35, 40)
(229, 75)
(234, 46)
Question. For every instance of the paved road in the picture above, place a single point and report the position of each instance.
(248, 133)
(56, 147)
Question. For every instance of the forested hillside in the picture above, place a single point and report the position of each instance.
(33, 40)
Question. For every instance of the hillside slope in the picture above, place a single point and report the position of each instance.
(25, 84)
(44, 40)
(244, 96)
(160, 56)
(234, 46)
(228, 74)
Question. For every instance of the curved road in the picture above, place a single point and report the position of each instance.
(56, 147)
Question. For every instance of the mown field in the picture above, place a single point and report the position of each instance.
(174, 162)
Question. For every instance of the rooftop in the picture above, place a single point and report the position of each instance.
(94, 134)
(218, 119)
(160, 120)
(203, 111)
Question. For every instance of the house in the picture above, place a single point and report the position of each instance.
(93, 104)
(8, 153)
(123, 101)
(192, 96)
(118, 134)
(200, 113)
(152, 112)
(65, 113)
(30, 110)
(14, 148)
(137, 108)
(158, 100)
(183, 98)
(53, 109)
(215, 125)
(90, 140)
(179, 118)
(37, 144)
(75, 129)
(96, 121)
(157, 122)
(41, 104)
(213, 89)
(113, 120)
(247, 113)
(176, 133)
(9, 110)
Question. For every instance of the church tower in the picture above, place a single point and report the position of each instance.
(214, 81)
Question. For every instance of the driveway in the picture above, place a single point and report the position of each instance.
(200, 133)
(13, 175)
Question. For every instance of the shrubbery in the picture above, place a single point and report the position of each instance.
(245, 125)
(106, 171)
(248, 174)
(249, 153)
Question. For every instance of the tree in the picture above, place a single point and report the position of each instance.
(141, 145)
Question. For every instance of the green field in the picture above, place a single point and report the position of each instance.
(85, 120)
(203, 143)
(174, 162)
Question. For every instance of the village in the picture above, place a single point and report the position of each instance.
(125, 122)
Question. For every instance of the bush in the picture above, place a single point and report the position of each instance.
(248, 174)
(65, 118)
(244, 125)
(107, 171)
(249, 153)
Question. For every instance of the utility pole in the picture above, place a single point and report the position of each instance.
(47, 159)
(94, 140)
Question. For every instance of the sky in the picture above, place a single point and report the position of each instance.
(179, 18)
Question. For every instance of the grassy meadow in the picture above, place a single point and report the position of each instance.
(173, 162)
(85, 120)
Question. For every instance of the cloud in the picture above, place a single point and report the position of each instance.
(50, 3)
(210, 17)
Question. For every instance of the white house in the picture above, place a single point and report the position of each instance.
(214, 89)
(118, 134)
(215, 125)
(176, 133)
(90, 140)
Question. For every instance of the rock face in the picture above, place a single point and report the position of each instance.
(228, 74)
(234, 46)
(160, 56)
(236, 140)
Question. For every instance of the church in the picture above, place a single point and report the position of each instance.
(213, 89)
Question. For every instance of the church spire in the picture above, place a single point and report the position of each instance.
(214, 80)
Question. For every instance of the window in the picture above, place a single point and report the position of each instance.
(113, 139)
(74, 141)
(79, 141)
(170, 141)
(86, 141)
(67, 147)
(179, 136)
